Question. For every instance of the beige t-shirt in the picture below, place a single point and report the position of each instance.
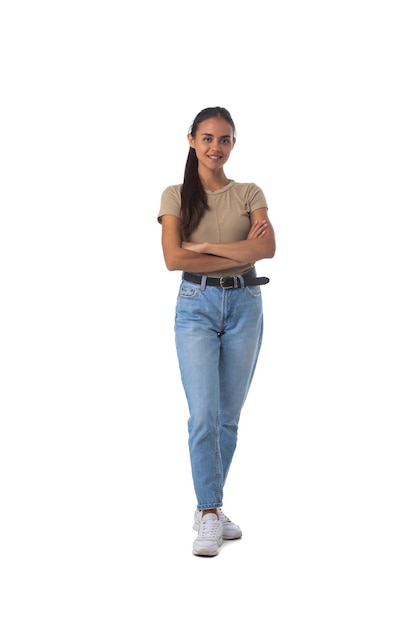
(228, 217)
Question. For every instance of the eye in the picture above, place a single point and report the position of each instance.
(226, 140)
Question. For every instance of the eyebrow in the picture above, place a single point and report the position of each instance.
(210, 135)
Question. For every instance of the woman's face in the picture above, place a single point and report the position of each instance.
(213, 143)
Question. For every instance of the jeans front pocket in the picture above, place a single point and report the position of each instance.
(187, 291)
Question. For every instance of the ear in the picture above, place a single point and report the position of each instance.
(190, 140)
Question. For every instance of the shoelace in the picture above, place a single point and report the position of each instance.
(223, 518)
(207, 528)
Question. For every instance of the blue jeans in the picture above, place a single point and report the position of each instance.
(218, 334)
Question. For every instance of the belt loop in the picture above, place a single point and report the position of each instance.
(241, 280)
(203, 282)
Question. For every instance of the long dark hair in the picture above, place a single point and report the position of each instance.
(193, 196)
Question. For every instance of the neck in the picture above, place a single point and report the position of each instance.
(214, 181)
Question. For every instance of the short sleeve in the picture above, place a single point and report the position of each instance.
(255, 198)
(170, 202)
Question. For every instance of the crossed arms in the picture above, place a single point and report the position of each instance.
(212, 257)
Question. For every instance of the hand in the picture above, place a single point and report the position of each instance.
(193, 247)
(258, 229)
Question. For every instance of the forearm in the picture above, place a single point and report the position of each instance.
(200, 263)
(245, 251)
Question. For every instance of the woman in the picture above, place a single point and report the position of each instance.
(214, 230)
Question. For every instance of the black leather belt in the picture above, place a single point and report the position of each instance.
(227, 282)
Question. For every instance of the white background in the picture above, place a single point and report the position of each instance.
(96, 495)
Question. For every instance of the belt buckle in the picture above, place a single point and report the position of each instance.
(224, 286)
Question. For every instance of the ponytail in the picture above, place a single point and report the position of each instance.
(193, 197)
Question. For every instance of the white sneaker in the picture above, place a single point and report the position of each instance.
(209, 536)
(229, 529)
